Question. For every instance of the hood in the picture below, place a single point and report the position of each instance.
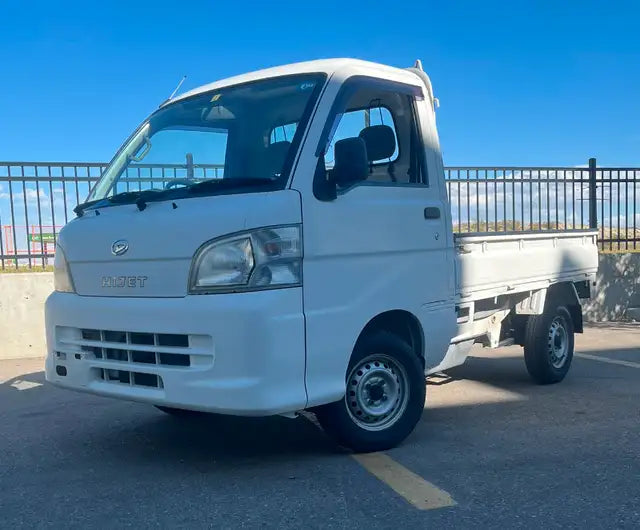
(161, 240)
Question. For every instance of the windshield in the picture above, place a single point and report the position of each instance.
(241, 136)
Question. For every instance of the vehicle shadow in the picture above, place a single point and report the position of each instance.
(108, 428)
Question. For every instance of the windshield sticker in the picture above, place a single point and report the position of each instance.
(307, 86)
(215, 97)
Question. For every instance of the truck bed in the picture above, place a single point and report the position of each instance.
(491, 264)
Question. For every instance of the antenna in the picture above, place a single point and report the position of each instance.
(418, 65)
(178, 87)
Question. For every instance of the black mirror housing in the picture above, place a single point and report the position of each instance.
(351, 162)
(324, 189)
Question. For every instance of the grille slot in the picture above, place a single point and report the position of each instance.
(146, 357)
(125, 377)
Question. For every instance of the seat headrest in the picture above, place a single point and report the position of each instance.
(276, 156)
(380, 140)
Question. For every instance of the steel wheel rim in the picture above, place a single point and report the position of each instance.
(377, 392)
(558, 342)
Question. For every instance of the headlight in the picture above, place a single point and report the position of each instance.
(267, 258)
(61, 275)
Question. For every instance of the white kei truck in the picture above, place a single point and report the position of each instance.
(282, 241)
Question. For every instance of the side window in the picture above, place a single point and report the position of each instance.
(385, 120)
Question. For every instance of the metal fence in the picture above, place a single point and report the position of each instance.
(497, 199)
(37, 199)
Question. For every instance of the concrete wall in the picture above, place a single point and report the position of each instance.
(617, 292)
(22, 297)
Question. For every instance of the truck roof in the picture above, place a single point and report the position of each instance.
(343, 66)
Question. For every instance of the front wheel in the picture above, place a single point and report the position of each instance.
(548, 346)
(384, 399)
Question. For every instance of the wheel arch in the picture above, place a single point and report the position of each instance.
(401, 323)
(565, 293)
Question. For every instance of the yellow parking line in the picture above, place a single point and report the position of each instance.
(628, 364)
(422, 494)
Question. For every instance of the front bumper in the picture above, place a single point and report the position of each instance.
(245, 352)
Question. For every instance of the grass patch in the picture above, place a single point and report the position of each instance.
(11, 269)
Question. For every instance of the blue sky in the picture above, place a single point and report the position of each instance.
(527, 83)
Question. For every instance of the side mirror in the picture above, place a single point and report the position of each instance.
(351, 163)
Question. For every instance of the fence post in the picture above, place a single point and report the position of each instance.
(593, 204)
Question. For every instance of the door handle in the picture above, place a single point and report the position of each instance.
(432, 212)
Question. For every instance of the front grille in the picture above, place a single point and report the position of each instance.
(161, 349)
(130, 357)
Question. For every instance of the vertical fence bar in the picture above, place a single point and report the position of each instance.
(593, 205)
(26, 215)
(504, 199)
(13, 218)
(513, 200)
(495, 198)
(75, 174)
(39, 217)
(557, 213)
(539, 201)
(602, 206)
(2, 240)
(573, 199)
(64, 198)
(486, 199)
(619, 241)
(548, 203)
(477, 203)
(468, 204)
(610, 211)
(564, 196)
(635, 185)
(531, 200)
(626, 209)
(1, 243)
(53, 214)
(458, 203)
(581, 199)
(522, 199)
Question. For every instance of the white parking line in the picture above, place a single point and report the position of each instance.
(24, 385)
(413, 488)
(628, 364)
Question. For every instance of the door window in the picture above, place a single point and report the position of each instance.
(385, 119)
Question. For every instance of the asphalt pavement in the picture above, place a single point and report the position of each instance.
(492, 450)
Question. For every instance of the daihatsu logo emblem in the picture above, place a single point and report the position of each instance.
(119, 247)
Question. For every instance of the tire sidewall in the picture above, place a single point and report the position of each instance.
(537, 354)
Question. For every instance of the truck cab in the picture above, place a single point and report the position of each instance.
(275, 242)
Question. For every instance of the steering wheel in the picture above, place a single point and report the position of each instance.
(177, 182)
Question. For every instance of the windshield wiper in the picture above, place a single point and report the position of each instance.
(141, 198)
(126, 197)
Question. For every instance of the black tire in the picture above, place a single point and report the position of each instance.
(542, 344)
(395, 359)
(181, 413)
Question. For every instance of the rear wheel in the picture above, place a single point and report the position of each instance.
(384, 399)
(549, 341)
